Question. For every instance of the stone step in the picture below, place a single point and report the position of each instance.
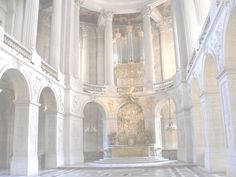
(129, 160)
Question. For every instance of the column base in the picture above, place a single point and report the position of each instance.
(24, 166)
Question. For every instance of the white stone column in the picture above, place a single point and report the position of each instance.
(148, 48)
(158, 131)
(54, 156)
(68, 37)
(55, 46)
(74, 139)
(19, 19)
(25, 160)
(85, 54)
(198, 134)
(190, 26)
(184, 135)
(77, 65)
(31, 23)
(184, 124)
(227, 82)
(179, 35)
(100, 56)
(163, 45)
(215, 153)
(108, 36)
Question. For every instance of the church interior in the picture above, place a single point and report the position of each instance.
(118, 88)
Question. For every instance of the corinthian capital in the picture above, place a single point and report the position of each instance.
(107, 14)
(147, 11)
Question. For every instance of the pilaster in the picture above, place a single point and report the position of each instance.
(100, 56)
(55, 45)
(108, 36)
(227, 82)
(25, 160)
(214, 132)
(30, 23)
(148, 48)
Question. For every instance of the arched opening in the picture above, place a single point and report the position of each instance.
(13, 89)
(166, 130)
(47, 130)
(198, 135)
(94, 114)
(215, 152)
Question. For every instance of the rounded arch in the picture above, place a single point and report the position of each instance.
(100, 103)
(48, 123)
(122, 105)
(229, 40)
(49, 95)
(19, 83)
(94, 131)
(166, 129)
(163, 101)
(213, 122)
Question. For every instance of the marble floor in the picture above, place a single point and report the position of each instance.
(178, 171)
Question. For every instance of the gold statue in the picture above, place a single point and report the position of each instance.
(130, 95)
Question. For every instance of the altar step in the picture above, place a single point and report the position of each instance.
(130, 160)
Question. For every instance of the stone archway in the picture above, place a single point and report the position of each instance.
(93, 135)
(166, 116)
(50, 137)
(198, 134)
(20, 120)
(215, 150)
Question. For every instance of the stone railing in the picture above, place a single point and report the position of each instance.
(19, 48)
(127, 89)
(164, 85)
(201, 40)
(95, 89)
(25, 52)
(49, 70)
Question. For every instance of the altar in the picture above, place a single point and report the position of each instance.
(132, 151)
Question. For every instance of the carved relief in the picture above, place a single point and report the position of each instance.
(75, 104)
(60, 101)
(36, 85)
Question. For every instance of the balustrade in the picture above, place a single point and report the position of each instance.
(49, 70)
(15, 45)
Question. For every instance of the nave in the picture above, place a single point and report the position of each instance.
(166, 171)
